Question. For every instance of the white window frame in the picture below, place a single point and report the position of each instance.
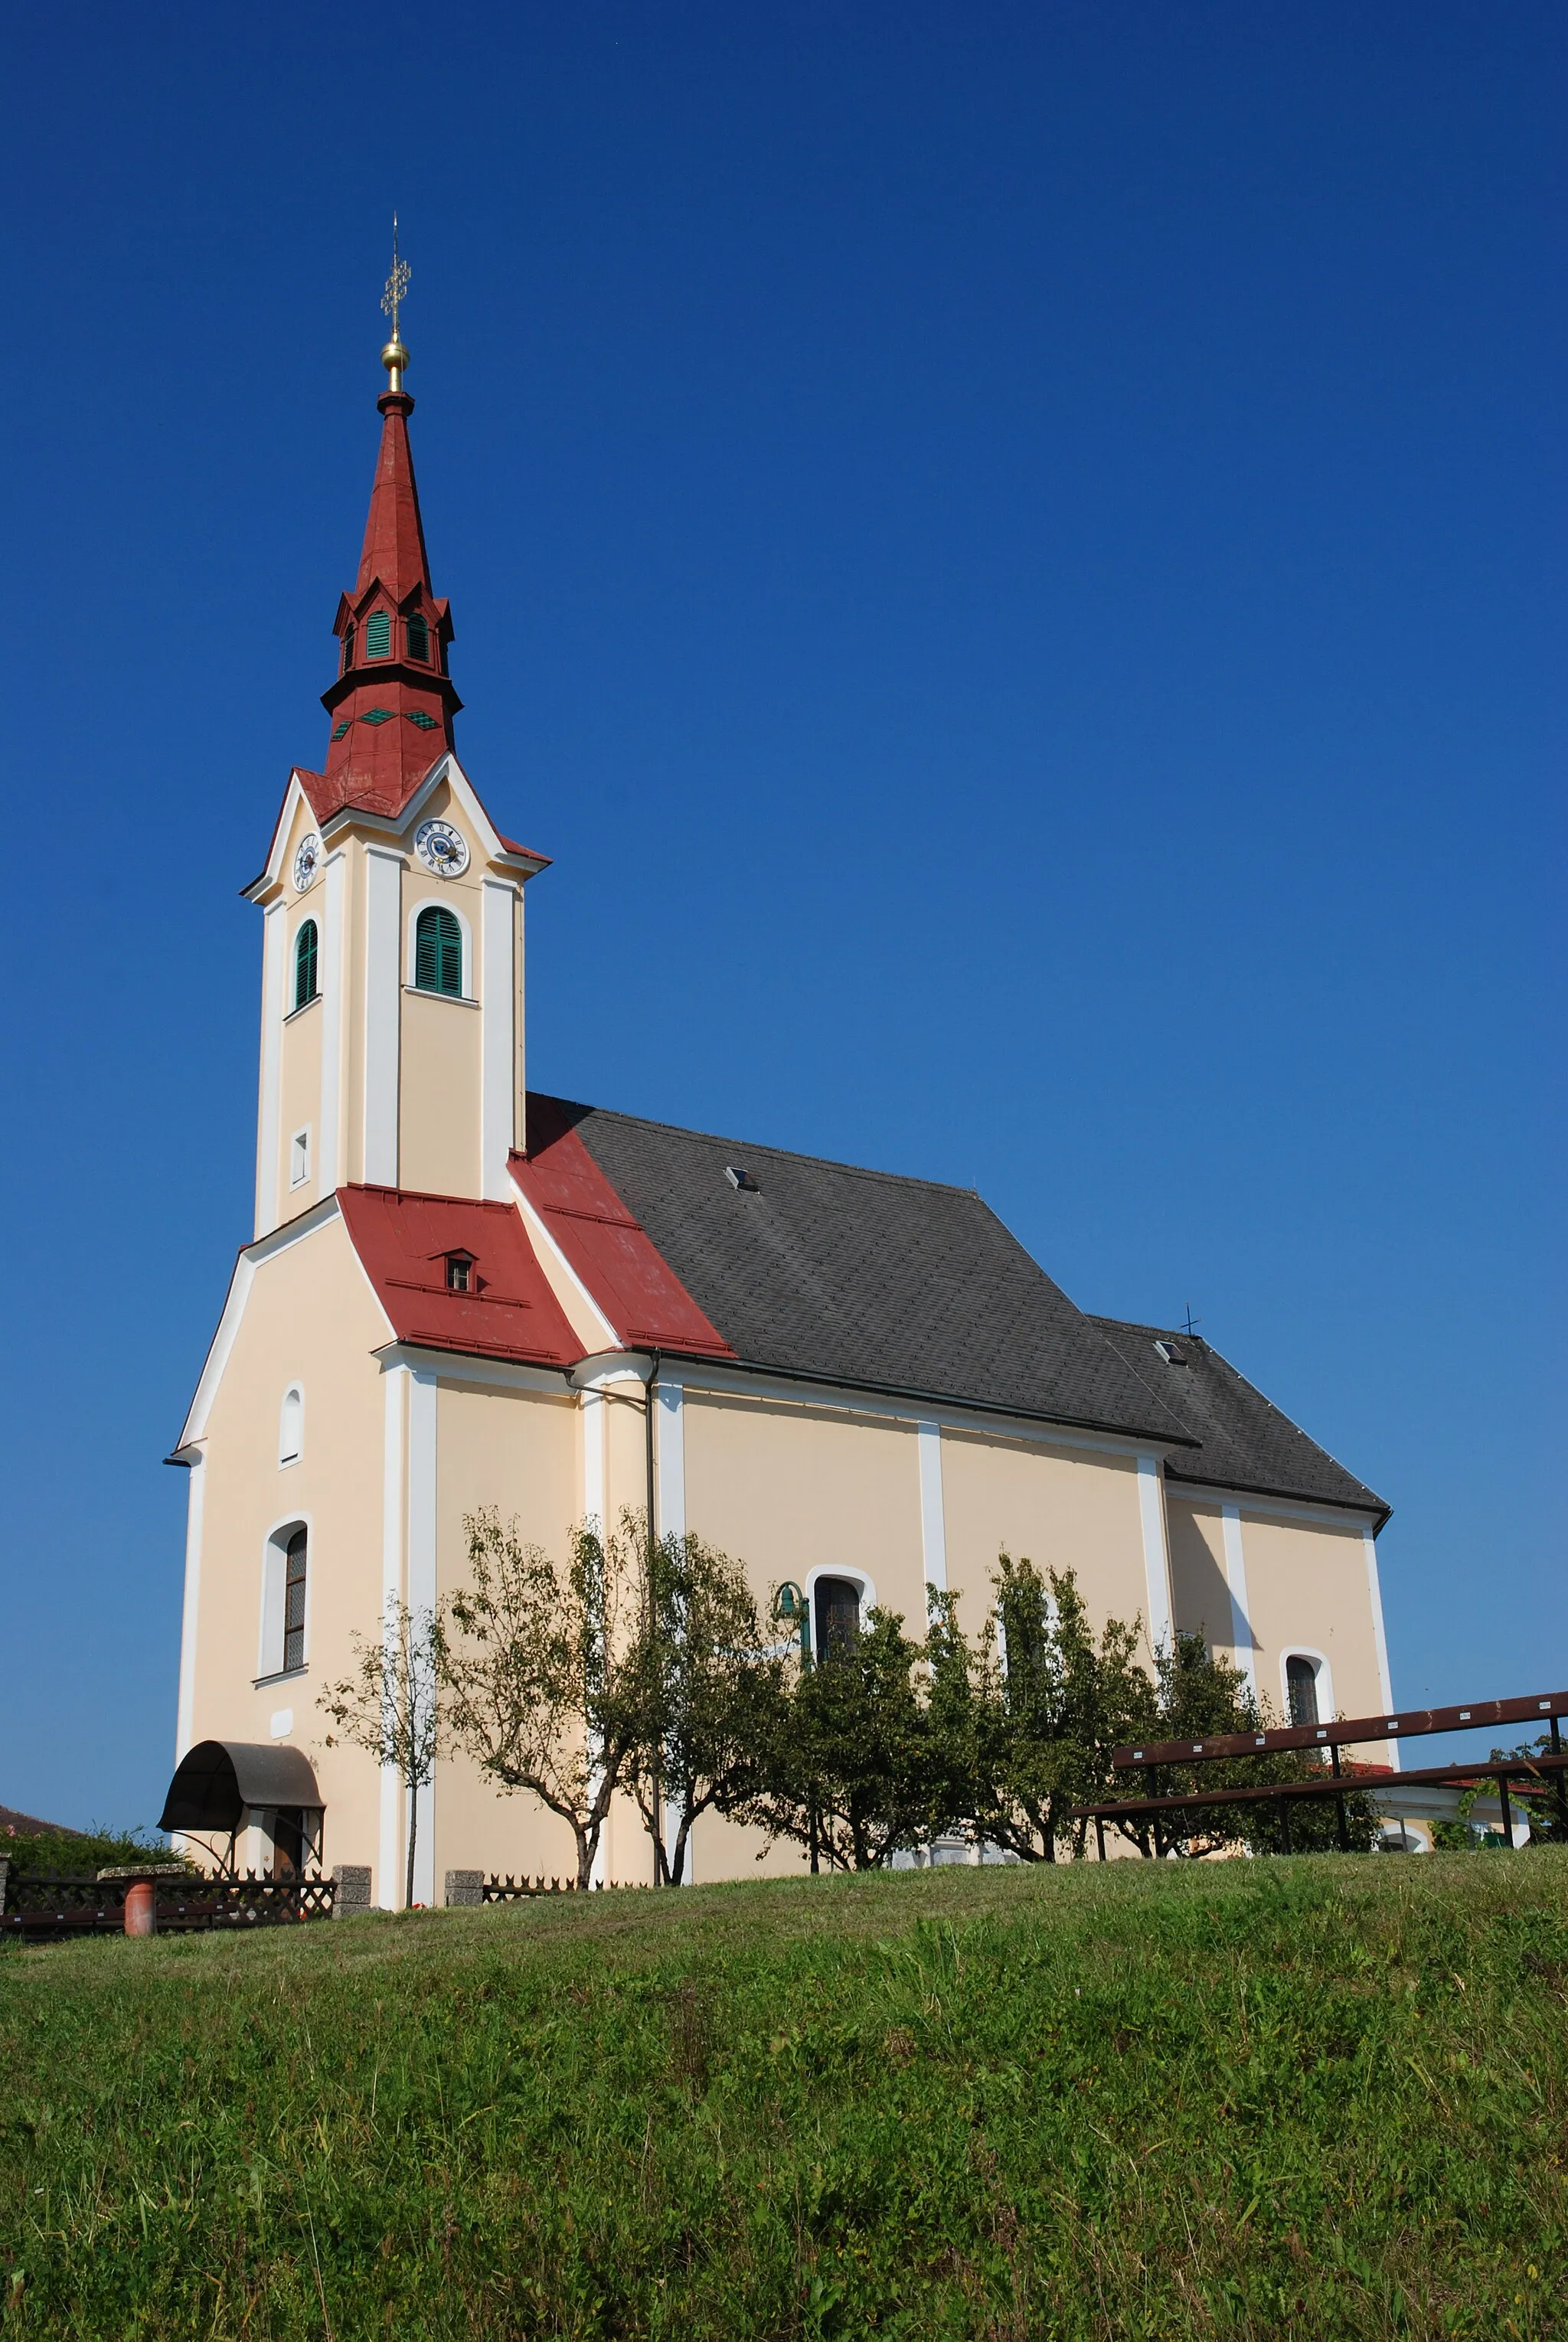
(468, 996)
(285, 1459)
(1326, 1708)
(270, 1668)
(299, 1152)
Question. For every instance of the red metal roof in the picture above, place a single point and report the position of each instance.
(404, 1241)
(616, 1260)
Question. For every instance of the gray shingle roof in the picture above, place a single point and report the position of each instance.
(864, 1277)
(893, 1283)
(1245, 1443)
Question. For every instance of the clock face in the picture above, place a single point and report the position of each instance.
(441, 848)
(306, 862)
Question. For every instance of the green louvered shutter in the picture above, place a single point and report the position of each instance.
(305, 965)
(419, 640)
(378, 635)
(348, 646)
(438, 953)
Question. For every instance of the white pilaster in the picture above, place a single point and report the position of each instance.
(593, 1460)
(274, 931)
(422, 1394)
(1374, 1595)
(389, 1856)
(195, 1499)
(1236, 1579)
(497, 1050)
(670, 1453)
(335, 1009)
(1157, 1555)
(382, 1012)
(933, 1520)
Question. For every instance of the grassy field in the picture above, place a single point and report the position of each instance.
(1313, 2099)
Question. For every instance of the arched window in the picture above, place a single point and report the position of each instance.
(291, 1425)
(837, 1604)
(293, 1602)
(438, 951)
(378, 635)
(348, 632)
(419, 640)
(1301, 1687)
(305, 957)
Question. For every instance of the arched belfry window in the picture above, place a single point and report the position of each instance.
(438, 951)
(378, 635)
(305, 960)
(348, 632)
(419, 639)
(291, 1425)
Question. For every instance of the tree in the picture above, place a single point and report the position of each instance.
(1199, 1696)
(707, 1686)
(391, 1705)
(1050, 1706)
(848, 1768)
(542, 1669)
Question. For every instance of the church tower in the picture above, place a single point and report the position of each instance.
(392, 983)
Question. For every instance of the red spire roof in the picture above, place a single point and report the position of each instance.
(393, 703)
(393, 535)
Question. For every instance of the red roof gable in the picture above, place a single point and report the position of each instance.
(404, 1241)
(629, 1279)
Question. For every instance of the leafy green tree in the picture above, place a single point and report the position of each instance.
(1199, 1696)
(1052, 1701)
(708, 1686)
(848, 1769)
(541, 1668)
(391, 1706)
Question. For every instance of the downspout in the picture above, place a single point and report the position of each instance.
(658, 1786)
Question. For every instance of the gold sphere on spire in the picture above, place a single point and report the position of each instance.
(394, 357)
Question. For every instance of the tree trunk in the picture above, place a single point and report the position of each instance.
(412, 1840)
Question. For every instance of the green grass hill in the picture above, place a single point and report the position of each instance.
(1313, 2098)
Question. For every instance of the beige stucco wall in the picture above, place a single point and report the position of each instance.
(1200, 1592)
(1062, 1508)
(518, 1451)
(1307, 1590)
(309, 1317)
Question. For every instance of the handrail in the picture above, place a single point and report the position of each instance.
(1408, 1724)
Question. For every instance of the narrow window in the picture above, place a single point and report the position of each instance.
(294, 1603)
(439, 951)
(378, 635)
(459, 1273)
(837, 1601)
(299, 1158)
(419, 640)
(291, 1425)
(1301, 1687)
(348, 632)
(304, 954)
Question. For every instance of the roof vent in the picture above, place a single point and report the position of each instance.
(741, 1179)
(1171, 1355)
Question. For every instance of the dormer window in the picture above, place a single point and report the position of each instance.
(459, 1272)
(348, 633)
(378, 635)
(419, 640)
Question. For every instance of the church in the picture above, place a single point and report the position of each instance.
(459, 1293)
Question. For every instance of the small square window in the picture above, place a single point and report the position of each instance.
(459, 1273)
(299, 1158)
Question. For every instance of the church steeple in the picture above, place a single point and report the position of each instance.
(393, 703)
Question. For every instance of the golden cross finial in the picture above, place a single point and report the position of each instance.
(394, 357)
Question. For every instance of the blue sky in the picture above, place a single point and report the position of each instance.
(1013, 555)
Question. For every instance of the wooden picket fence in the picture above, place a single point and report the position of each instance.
(46, 1910)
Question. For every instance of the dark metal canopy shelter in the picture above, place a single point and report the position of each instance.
(217, 1779)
